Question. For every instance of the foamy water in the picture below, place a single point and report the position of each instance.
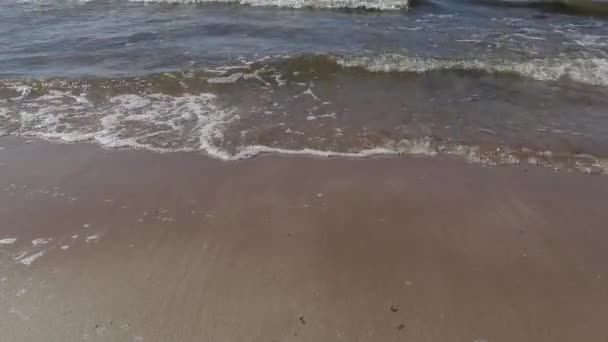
(373, 4)
(29, 259)
(490, 85)
(592, 71)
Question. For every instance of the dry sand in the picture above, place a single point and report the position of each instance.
(139, 246)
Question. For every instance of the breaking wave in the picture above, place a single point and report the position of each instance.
(280, 105)
(354, 4)
(592, 71)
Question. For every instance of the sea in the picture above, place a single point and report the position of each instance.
(486, 81)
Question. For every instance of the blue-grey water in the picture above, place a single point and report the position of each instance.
(490, 83)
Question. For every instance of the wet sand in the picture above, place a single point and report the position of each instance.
(141, 246)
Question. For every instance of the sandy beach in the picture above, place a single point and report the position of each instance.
(126, 245)
(303, 171)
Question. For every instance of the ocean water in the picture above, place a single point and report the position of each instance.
(490, 82)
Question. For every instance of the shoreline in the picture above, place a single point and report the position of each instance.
(181, 247)
(579, 163)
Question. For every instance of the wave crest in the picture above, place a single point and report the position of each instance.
(331, 4)
(592, 71)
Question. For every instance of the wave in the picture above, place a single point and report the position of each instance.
(330, 4)
(431, 147)
(592, 71)
(576, 7)
(282, 105)
(189, 123)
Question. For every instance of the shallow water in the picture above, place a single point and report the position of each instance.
(491, 84)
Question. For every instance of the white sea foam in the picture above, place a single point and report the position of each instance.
(368, 4)
(30, 259)
(152, 121)
(197, 123)
(601, 164)
(53, 1)
(37, 242)
(91, 238)
(22, 90)
(428, 147)
(589, 40)
(8, 241)
(167, 123)
(51, 116)
(190, 119)
(591, 71)
(424, 146)
(253, 150)
(225, 79)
